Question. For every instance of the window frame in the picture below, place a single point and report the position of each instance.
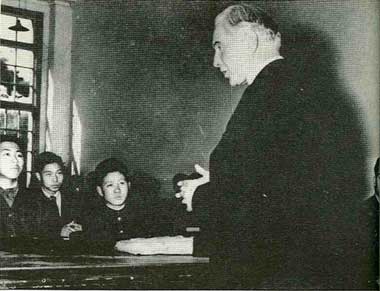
(35, 106)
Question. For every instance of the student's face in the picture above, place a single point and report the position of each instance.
(51, 177)
(233, 52)
(114, 189)
(11, 160)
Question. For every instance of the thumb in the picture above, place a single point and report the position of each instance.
(200, 170)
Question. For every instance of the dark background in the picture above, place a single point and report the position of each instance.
(146, 91)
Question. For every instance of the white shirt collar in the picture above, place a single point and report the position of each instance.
(259, 68)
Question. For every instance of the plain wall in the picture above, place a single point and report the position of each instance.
(146, 91)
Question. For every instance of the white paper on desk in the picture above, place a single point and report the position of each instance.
(171, 245)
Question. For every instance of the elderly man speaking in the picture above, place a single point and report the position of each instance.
(273, 216)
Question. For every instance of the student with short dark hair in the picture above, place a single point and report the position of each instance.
(13, 196)
(56, 209)
(118, 216)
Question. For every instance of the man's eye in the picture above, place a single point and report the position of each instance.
(108, 185)
(123, 182)
(20, 155)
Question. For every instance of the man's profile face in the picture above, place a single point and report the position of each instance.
(51, 177)
(11, 160)
(233, 52)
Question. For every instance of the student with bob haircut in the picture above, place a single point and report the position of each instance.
(117, 216)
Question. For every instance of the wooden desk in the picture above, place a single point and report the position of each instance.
(102, 272)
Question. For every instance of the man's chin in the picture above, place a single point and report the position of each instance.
(235, 83)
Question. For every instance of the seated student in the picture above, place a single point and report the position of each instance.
(56, 210)
(118, 216)
(13, 196)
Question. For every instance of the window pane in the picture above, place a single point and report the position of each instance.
(10, 132)
(24, 77)
(26, 121)
(6, 80)
(24, 93)
(3, 92)
(6, 21)
(13, 94)
(7, 92)
(8, 55)
(25, 36)
(25, 58)
(12, 119)
(22, 36)
(26, 100)
(7, 74)
(2, 118)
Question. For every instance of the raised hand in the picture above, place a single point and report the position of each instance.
(188, 187)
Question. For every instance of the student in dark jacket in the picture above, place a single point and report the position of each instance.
(56, 210)
(117, 215)
(13, 197)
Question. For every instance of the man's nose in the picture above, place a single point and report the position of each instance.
(117, 189)
(55, 178)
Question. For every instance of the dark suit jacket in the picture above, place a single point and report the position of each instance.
(44, 217)
(12, 219)
(276, 200)
(103, 227)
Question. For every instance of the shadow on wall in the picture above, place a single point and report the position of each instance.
(335, 165)
(340, 162)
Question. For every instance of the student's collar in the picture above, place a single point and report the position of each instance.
(259, 67)
(48, 195)
(116, 209)
(9, 193)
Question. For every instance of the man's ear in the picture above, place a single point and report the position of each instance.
(129, 185)
(250, 32)
(99, 190)
(38, 176)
